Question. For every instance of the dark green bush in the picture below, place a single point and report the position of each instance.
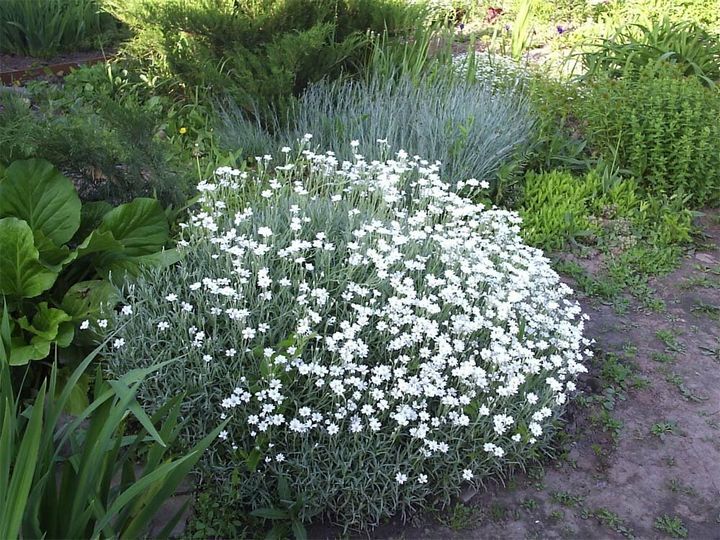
(661, 127)
(255, 50)
(109, 148)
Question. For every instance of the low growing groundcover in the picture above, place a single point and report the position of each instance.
(376, 340)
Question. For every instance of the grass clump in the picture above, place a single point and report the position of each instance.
(471, 129)
(48, 27)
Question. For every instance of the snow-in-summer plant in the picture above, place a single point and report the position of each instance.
(496, 70)
(377, 340)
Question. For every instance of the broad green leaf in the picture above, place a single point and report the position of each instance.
(121, 266)
(65, 335)
(46, 322)
(35, 191)
(52, 256)
(90, 298)
(91, 216)
(99, 242)
(140, 226)
(21, 273)
(23, 352)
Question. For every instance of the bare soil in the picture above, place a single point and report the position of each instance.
(14, 62)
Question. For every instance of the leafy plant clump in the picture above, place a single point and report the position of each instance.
(375, 339)
(688, 46)
(262, 51)
(99, 132)
(78, 478)
(662, 128)
(58, 257)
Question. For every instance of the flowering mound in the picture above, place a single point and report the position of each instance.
(375, 339)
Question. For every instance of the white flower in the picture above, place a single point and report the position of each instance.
(401, 478)
(171, 297)
(162, 325)
(126, 310)
(280, 458)
(102, 323)
(85, 325)
(118, 343)
(265, 232)
(467, 474)
(422, 479)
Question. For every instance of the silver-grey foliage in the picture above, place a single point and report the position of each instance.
(468, 126)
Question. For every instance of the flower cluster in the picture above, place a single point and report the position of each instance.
(368, 331)
(497, 70)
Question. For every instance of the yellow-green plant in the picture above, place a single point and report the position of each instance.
(661, 127)
(521, 35)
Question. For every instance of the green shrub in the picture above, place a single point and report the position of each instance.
(255, 50)
(694, 51)
(469, 127)
(556, 208)
(45, 28)
(110, 146)
(662, 128)
(375, 339)
(603, 210)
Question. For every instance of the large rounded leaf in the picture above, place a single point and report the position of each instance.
(140, 226)
(21, 273)
(35, 191)
(90, 298)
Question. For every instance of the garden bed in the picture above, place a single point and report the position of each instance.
(18, 69)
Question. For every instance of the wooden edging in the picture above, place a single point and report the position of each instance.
(58, 70)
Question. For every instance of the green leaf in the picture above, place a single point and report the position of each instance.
(91, 216)
(121, 266)
(99, 242)
(22, 352)
(65, 335)
(298, 530)
(140, 226)
(77, 400)
(90, 298)
(21, 273)
(23, 471)
(52, 256)
(46, 322)
(35, 191)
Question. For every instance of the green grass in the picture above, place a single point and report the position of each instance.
(47, 27)
(671, 525)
